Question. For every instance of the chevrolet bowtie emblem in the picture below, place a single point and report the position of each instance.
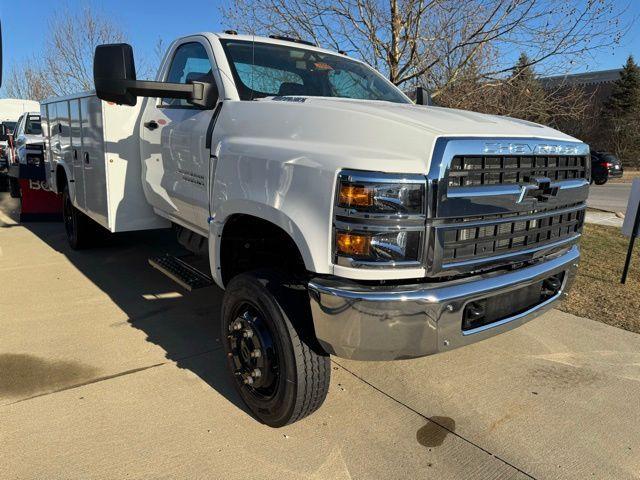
(540, 189)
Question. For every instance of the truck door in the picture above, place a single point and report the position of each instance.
(178, 172)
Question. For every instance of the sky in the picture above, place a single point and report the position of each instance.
(145, 22)
(142, 21)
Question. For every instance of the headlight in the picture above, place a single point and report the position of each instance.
(398, 246)
(380, 197)
(379, 219)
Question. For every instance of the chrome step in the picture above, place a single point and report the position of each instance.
(181, 272)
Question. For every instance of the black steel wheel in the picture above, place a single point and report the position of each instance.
(277, 369)
(76, 225)
(253, 353)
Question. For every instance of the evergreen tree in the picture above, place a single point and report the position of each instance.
(625, 95)
(622, 115)
(524, 96)
(523, 74)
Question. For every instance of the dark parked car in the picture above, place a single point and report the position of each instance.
(604, 165)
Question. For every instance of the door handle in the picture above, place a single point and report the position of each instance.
(151, 125)
(86, 157)
(75, 154)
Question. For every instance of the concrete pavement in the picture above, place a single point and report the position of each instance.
(108, 370)
(611, 197)
(608, 219)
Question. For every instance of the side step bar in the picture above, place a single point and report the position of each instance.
(181, 272)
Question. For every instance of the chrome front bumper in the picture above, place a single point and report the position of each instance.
(394, 322)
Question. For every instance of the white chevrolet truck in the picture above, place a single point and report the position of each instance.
(338, 216)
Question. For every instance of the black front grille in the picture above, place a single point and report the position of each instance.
(477, 170)
(467, 242)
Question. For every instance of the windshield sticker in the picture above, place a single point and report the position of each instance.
(322, 66)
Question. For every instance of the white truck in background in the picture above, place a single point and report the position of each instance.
(11, 110)
(339, 217)
(26, 150)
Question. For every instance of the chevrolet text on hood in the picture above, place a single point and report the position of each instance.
(339, 217)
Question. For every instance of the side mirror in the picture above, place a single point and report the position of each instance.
(114, 72)
(114, 75)
(209, 90)
(423, 97)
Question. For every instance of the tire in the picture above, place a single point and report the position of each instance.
(293, 372)
(14, 187)
(80, 232)
(600, 181)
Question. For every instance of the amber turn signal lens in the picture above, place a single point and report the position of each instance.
(350, 244)
(355, 196)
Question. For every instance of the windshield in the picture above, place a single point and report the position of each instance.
(11, 126)
(265, 70)
(33, 126)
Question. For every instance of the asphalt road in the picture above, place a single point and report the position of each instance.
(108, 370)
(612, 197)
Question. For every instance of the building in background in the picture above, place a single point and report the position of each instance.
(597, 84)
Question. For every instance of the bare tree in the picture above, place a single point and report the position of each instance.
(434, 41)
(28, 81)
(70, 45)
(522, 95)
(66, 63)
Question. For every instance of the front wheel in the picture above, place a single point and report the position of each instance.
(275, 366)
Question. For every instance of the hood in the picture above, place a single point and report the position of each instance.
(438, 121)
(33, 139)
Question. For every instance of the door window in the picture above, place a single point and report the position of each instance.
(190, 62)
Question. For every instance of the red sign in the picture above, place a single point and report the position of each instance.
(38, 202)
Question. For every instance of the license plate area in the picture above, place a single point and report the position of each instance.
(485, 311)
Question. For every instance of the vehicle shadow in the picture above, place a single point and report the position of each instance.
(186, 325)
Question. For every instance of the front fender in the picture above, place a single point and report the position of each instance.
(264, 212)
(295, 195)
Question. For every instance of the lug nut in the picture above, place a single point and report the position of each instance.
(247, 333)
(248, 380)
(256, 353)
(256, 373)
(236, 325)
